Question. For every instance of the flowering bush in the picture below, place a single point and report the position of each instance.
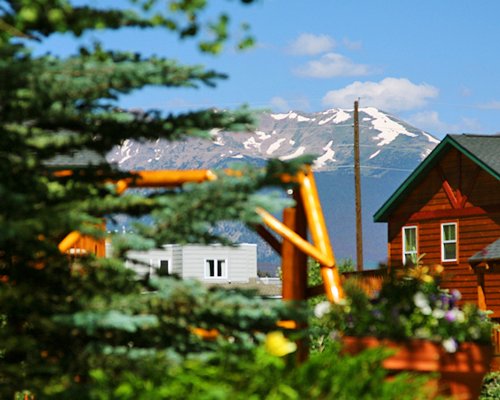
(409, 305)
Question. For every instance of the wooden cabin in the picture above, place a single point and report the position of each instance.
(88, 245)
(447, 212)
(74, 162)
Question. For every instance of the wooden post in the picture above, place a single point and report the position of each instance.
(481, 297)
(357, 189)
(294, 264)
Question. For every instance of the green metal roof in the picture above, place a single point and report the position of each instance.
(77, 159)
(489, 253)
(482, 149)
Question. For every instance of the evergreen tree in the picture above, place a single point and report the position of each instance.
(61, 320)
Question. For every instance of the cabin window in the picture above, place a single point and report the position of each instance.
(410, 254)
(449, 242)
(215, 268)
(164, 268)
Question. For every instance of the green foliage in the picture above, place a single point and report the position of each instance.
(346, 265)
(260, 375)
(96, 322)
(87, 327)
(62, 318)
(491, 387)
(318, 335)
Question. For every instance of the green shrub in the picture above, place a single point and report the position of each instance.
(491, 387)
(258, 374)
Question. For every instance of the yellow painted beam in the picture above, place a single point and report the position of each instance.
(170, 178)
(285, 232)
(69, 241)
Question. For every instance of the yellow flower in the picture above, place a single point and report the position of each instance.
(278, 345)
(422, 273)
(438, 269)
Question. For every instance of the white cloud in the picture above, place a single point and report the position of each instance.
(352, 44)
(390, 94)
(492, 105)
(310, 44)
(430, 121)
(279, 104)
(333, 64)
(299, 103)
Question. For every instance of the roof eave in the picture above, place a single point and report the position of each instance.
(385, 210)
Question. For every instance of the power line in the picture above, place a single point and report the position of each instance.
(351, 166)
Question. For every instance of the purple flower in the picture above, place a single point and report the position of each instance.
(456, 295)
(455, 314)
(450, 316)
(445, 300)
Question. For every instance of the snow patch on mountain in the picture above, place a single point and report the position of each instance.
(296, 153)
(374, 155)
(251, 142)
(216, 137)
(425, 153)
(275, 146)
(341, 116)
(218, 141)
(338, 117)
(291, 115)
(125, 151)
(326, 120)
(389, 129)
(328, 156)
(279, 117)
(262, 135)
(432, 139)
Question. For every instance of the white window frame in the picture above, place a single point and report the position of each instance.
(407, 253)
(443, 242)
(216, 260)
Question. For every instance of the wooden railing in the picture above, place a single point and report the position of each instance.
(495, 338)
(369, 280)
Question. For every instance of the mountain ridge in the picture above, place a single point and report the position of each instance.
(389, 150)
(327, 134)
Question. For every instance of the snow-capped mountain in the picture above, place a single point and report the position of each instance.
(328, 134)
(390, 149)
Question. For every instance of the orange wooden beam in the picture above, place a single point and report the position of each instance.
(321, 249)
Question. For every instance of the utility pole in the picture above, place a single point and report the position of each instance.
(357, 190)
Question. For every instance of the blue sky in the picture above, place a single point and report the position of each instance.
(435, 64)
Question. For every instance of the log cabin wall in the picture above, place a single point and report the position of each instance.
(455, 190)
(89, 245)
